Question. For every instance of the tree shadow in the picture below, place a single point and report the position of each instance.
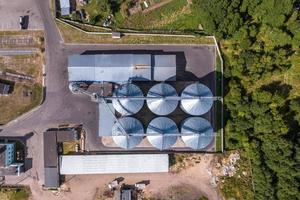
(277, 87)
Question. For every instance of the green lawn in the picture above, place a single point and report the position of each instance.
(7, 193)
(20, 101)
(158, 18)
(70, 35)
(97, 11)
(174, 16)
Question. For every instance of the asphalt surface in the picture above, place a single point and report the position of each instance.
(63, 107)
(12, 10)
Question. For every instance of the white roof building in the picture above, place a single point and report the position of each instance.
(65, 7)
(110, 164)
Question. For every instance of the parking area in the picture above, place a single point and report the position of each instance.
(13, 9)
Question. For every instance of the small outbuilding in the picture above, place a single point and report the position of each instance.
(4, 88)
(65, 7)
(116, 35)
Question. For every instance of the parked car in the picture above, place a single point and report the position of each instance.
(24, 20)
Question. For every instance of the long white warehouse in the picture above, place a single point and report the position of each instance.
(114, 164)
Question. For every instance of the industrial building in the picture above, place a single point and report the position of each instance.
(121, 67)
(8, 163)
(65, 7)
(142, 105)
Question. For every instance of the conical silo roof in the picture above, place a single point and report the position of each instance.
(159, 104)
(128, 106)
(197, 133)
(128, 132)
(159, 133)
(201, 102)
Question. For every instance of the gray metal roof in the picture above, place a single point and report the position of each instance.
(128, 106)
(128, 132)
(65, 7)
(198, 105)
(50, 149)
(159, 133)
(106, 118)
(121, 67)
(110, 164)
(109, 67)
(51, 179)
(164, 67)
(197, 132)
(160, 105)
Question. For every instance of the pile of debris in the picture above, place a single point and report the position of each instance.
(223, 167)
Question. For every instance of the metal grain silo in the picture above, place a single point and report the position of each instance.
(128, 106)
(162, 133)
(128, 132)
(160, 104)
(198, 99)
(197, 132)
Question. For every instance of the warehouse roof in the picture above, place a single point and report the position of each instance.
(50, 149)
(107, 164)
(51, 177)
(120, 67)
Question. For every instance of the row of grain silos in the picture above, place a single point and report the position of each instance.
(162, 133)
(196, 99)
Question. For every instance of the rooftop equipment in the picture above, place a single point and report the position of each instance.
(161, 105)
(128, 132)
(162, 133)
(128, 106)
(201, 99)
(197, 132)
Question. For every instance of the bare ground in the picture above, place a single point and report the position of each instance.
(189, 184)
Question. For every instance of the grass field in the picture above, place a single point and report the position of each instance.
(7, 193)
(71, 34)
(157, 18)
(26, 94)
(96, 9)
(176, 15)
(16, 104)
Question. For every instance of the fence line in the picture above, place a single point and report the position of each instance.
(67, 22)
(222, 91)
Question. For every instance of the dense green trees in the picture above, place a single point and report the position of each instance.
(261, 37)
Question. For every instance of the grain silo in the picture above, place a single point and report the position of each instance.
(127, 132)
(162, 133)
(197, 133)
(159, 99)
(197, 99)
(123, 103)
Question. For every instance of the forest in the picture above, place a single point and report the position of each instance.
(260, 41)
